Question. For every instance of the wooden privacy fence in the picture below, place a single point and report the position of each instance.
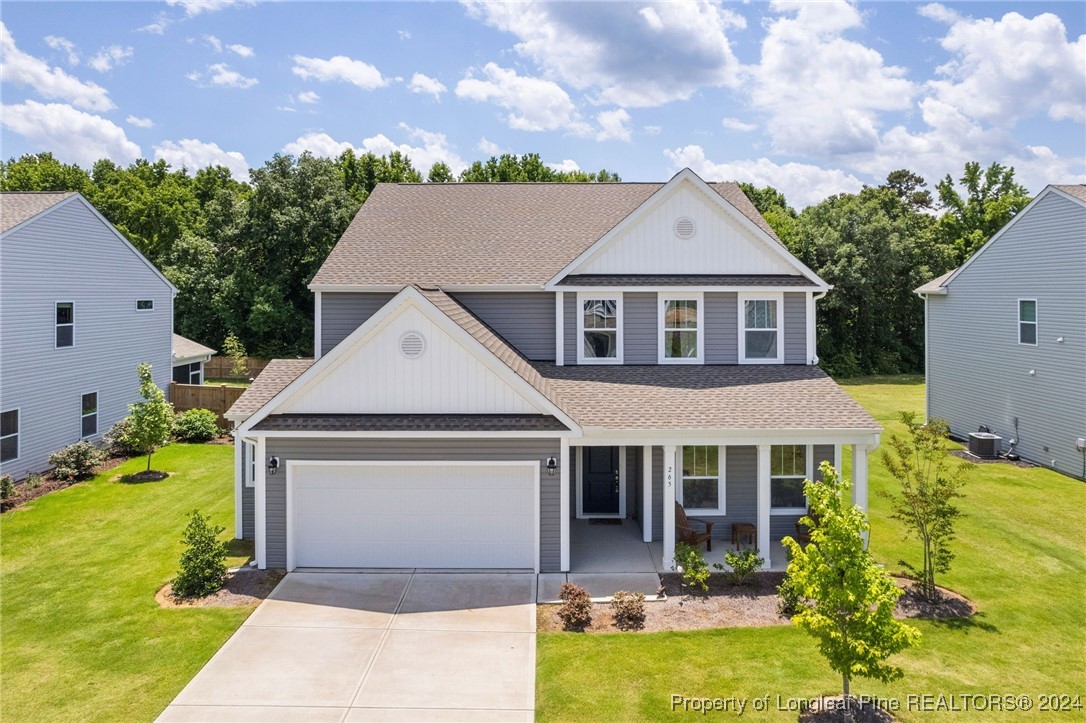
(219, 367)
(217, 398)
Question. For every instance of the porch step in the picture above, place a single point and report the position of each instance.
(600, 585)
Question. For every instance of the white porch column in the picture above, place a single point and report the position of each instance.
(646, 492)
(563, 466)
(669, 507)
(259, 503)
(764, 503)
(859, 477)
(559, 328)
(239, 484)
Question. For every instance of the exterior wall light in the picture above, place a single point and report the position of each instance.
(273, 465)
(552, 464)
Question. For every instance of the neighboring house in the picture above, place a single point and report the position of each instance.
(80, 307)
(499, 363)
(1006, 335)
(188, 360)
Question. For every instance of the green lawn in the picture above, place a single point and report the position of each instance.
(1021, 558)
(82, 635)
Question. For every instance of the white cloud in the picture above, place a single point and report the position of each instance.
(197, 7)
(425, 84)
(158, 26)
(631, 56)
(214, 43)
(57, 42)
(221, 75)
(319, 144)
(24, 69)
(535, 104)
(404, 34)
(734, 124)
(73, 135)
(613, 125)
(802, 184)
(139, 122)
(194, 155)
(652, 130)
(432, 147)
(489, 147)
(243, 50)
(307, 96)
(339, 68)
(566, 166)
(109, 58)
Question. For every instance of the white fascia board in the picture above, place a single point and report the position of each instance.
(448, 288)
(679, 289)
(596, 436)
(406, 434)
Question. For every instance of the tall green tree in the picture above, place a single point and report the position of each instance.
(774, 207)
(150, 421)
(43, 172)
(528, 168)
(991, 198)
(440, 173)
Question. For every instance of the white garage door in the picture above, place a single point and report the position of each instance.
(443, 515)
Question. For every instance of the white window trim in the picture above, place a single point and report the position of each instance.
(776, 296)
(144, 311)
(57, 326)
(97, 405)
(1035, 322)
(18, 433)
(808, 474)
(583, 296)
(578, 475)
(248, 464)
(721, 484)
(661, 307)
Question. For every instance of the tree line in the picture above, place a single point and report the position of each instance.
(242, 253)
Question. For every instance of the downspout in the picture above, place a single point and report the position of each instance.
(813, 326)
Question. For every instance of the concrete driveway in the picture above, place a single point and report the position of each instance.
(376, 647)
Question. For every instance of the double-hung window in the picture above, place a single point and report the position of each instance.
(9, 435)
(65, 324)
(88, 419)
(760, 327)
(703, 482)
(600, 329)
(681, 327)
(787, 472)
(1027, 321)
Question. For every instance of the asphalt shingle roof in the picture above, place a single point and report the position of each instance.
(411, 423)
(19, 206)
(274, 379)
(1078, 190)
(187, 348)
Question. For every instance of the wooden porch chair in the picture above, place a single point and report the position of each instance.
(685, 533)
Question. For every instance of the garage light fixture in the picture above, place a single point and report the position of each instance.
(273, 465)
(552, 464)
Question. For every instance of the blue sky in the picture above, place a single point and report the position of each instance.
(813, 98)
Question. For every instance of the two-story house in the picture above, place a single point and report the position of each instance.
(80, 307)
(501, 365)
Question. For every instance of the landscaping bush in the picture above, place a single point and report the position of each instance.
(76, 461)
(203, 563)
(118, 439)
(196, 425)
(33, 480)
(694, 569)
(628, 609)
(576, 609)
(743, 565)
(787, 598)
(7, 487)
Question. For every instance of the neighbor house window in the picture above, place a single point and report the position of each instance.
(65, 324)
(703, 485)
(1027, 321)
(760, 330)
(787, 472)
(680, 329)
(145, 304)
(9, 435)
(600, 327)
(89, 415)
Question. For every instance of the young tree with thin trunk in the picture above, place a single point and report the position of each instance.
(847, 601)
(929, 484)
(151, 419)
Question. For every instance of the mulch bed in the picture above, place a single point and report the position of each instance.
(147, 475)
(949, 604)
(962, 454)
(245, 587)
(831, 709)
(25, 493)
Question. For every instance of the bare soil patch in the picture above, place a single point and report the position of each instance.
(948, 605)
(831, 709)
(151, 475)
(245, 587)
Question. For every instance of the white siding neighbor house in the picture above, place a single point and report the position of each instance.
(1006, 335)
(80, 307)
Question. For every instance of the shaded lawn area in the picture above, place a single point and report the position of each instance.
(1021, 556)
(83, 638)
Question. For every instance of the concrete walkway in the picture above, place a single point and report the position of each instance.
(376, 647)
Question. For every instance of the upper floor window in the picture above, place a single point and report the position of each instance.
(600, 329)
(145, 304)
(702, 489)
(65, 321)
(787, 472)
(681, 324)
(1027, 321)
(9, 435)
(760, 329)
(89, 415)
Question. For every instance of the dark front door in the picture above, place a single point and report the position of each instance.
(599, 481)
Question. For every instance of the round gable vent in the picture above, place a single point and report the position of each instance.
(412, 345)
(685, 228)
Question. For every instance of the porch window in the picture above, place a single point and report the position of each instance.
(760, 339)
(680, 329)
(600, 330)
(703, 485)
(1027, 321)
(787, 472)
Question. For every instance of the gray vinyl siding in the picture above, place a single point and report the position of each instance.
(69, 254)
(417, 449)
(822, 452)
(721, 328)
(795, 328)
(640, 311)
(569, 327)
(343, 312)
(633, 482)
(657, 494)
(248, 528)
(524, 319)
(978, 373)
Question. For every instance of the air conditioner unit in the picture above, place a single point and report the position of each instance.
(984, 445)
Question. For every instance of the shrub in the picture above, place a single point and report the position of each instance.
(196, 425)
(7, 487)
(576, 609)
(33, 480)
(203, 563)
(628, 609)
(118, 439)
(743, 565)
(76, 461)
(692, 562)
(787, 598)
